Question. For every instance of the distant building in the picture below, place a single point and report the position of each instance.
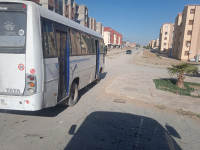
(166, 37)
(82, 15)
(154, 44)
(157, 43)
(112, 38)
(92, 23)
(99, 28)
(187, 44)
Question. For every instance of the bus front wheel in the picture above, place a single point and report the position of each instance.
(73, 98)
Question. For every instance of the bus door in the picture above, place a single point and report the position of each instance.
(63, 63)
(97, 58)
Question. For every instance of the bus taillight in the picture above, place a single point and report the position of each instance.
(31, 77)
(24, 6)
(31, 85)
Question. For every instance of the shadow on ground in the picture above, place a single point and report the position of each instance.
(121, 131)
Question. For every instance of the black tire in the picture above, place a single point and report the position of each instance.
(73, 98)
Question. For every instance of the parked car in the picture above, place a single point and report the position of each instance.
(128, 51)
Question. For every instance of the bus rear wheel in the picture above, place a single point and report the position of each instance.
(73, 98)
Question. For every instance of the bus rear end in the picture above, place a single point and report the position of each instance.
(18, 83)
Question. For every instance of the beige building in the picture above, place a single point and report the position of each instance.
(49, 4)
(99, 28)
(82, 15)
(157, 43)
(68, 8)
(187, 44)
(177, 30)
(92, 23)
(154, 44)
(106, 37)
(166, 37)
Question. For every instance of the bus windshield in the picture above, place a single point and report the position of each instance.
(12, 31)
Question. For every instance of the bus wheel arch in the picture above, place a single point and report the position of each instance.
(73, 95)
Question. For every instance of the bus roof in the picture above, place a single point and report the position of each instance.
(57, 17)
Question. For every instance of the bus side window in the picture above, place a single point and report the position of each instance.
(84, 47)
(93, 46)
(89, 44)
(73, 43)
(49, 46)
(78, 43)
(101, 47)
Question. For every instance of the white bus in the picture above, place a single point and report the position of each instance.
(45, 58)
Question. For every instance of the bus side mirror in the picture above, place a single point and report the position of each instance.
(105, 49)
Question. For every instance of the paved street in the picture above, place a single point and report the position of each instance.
(122, 112)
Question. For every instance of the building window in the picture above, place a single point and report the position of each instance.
(192, 11)
(166, 28)
(165, 33)
(165, 44)
(188, 43)
(189, 32)
(165, 38)
(191, 22)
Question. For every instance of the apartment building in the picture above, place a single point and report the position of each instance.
(157, 43)
(50, 4)
(92, 23)
(187, 44)
(99, 28)
(81, 15)
(154, 44)
(166, 37)
(177, 30)
(67, 8)
(112, 38)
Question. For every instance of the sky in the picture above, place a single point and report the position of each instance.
(137, 20)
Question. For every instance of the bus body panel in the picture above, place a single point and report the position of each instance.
(12, 74)
(51, 80)
(83, 67)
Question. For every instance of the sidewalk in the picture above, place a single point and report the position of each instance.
(139, 85)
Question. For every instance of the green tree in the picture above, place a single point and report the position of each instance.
(180, 70)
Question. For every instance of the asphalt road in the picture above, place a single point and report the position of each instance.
(100, 121)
